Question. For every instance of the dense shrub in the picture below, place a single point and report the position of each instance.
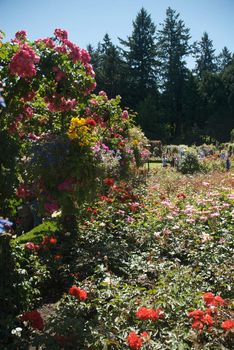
(189, 164)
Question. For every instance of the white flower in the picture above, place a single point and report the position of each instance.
(56, 214)
(16, 331)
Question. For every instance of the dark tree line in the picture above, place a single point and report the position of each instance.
(149, 70)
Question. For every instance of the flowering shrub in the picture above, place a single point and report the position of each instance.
(69, 137)
(23, 62)
(211, 320)
(138, 274)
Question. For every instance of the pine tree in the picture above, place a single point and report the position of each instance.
(173, 41)
(204, 54)
(224, 58)
(95, 56)
(140, 57)
(108, 66)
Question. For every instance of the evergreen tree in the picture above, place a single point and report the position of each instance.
(149, 117)
(224, 58)
(140, 57)
(95, 56)
(204, 54)
(227, 77)
(173, 41)
(108, 66)
(215, 109)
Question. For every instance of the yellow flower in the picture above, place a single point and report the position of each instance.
(80, 131)
(135, 142)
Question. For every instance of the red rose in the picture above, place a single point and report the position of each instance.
(212, 300)
(143, 313)
(208, 320)
(144, 334)
(134, 341)
(91, 122)
(77, 292)
(109, 181)
(218, 301)
(34, 318)
(156, 314)
(208, 298)
(53, 240)
(149, 314)
(228, 324)
(197, 324)
(196, 313)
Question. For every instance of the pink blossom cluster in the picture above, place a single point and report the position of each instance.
(124, 114)
(33, 137)
(74, 52)
(21, 35)
(23, 62)
(60, 34)
(47, 41)
(31, 246)
(56, 103)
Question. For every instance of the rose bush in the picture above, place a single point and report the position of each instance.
(70, 139)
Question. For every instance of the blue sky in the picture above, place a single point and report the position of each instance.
(87, 21)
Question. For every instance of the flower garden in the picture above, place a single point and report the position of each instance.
(104, 254)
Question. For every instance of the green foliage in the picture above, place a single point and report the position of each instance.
(140, 56)
(204, 54)
(36, 234)
(23, 276)
(159, 247)
(8, 170)
(189, 164)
